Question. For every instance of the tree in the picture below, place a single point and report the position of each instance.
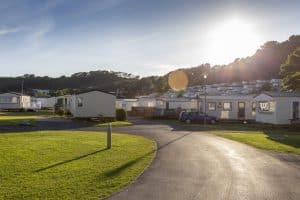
(290, 70)
(180, 94)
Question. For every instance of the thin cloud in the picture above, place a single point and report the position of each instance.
(38, 33)
(6, 31)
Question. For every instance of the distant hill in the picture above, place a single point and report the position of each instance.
(264, 64)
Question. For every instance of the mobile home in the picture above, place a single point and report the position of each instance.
(93, 104)
(63, 102)
(47, 103)
(232, 107)
(14, 101)
(126, 104)
(146, 102)
(277, 108)
(35, 104)
(177, 104)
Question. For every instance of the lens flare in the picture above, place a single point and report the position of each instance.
(178, 80)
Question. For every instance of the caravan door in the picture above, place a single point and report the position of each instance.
(241, 110)
(295, 110)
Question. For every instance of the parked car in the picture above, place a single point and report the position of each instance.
(196, 117)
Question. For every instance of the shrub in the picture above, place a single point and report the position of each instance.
(121, 115)
(68, 113)
(60, 112)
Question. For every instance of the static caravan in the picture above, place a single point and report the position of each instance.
(229, 107)
(63, 102)
(126, 104)
(14, 101)
(93, 104)
(177, 104)
(35, 104)
(277, 108)
(146, 102)
(47, 103)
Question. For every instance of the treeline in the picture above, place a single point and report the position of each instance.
(122, 84)
(264, 64)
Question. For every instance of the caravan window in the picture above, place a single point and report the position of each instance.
(211, 106)
(14, 100)
(9, 100)
(79, 102)
(220, 105)
(254, 106)
(227, 106)
(4, 100)
(266, 106)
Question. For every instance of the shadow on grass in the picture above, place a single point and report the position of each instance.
(120, 169)
(279, 133)
(283, 134)
(26, 114)
(287, 138)
(42, 125)
(68, 161)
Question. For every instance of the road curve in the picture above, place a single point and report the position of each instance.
(197, 165)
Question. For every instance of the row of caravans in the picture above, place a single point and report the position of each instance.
(273, 108)
(223, 107)
(18, 101)
(83, 105)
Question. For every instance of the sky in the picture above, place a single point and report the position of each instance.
(142, 37)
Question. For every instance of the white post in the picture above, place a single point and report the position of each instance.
(109, 136)
(205, 105)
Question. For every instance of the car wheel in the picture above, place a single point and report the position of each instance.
(188, 121)
(212, 121)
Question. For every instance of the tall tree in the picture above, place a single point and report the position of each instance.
(290, 70)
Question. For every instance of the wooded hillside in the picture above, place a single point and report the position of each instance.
(264, 64)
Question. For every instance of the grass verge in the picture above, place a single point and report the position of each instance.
(15, 118)
(266, 137)
(69, 165)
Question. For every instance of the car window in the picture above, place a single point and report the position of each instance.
(201, 114)
(191, 114)
(184, 114)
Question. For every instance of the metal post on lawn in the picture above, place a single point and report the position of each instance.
(205, 77)
(109, 136)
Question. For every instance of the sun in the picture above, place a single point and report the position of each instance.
(232, 39)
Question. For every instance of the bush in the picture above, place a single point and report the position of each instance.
(60, 112)
(121, 115)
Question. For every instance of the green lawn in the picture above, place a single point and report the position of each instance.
(14, 118)
(69, 165)
(267, 137)
(116, 123)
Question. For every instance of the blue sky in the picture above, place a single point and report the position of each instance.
(143, 37)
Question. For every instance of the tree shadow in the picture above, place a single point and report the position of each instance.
(42, 126)
(283, 134)
(120, 169)
(68, 161)
(284, 137)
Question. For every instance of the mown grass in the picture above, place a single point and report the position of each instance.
(116, 123)
(268, 137)
(69, 165)
(15, 118)
(286, 143)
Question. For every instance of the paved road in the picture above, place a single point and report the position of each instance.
(197, 165)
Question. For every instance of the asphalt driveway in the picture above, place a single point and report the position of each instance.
(197, 165)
